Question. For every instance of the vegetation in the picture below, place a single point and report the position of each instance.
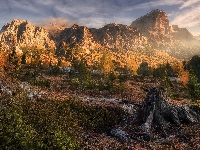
(194, 78)
(194, 86)
(144, 69)
(50, 124)
(55, 123)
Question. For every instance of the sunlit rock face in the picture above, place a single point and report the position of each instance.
(79, 35)
(155, 26)
(119, 36)
(22, 33)
(156, 20)
(161, 35)
(149, 32)
(114, 36)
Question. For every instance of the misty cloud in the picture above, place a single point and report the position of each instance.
(55, 23)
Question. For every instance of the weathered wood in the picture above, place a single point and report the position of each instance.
(157, 110)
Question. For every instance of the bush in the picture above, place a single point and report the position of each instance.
(54, 70)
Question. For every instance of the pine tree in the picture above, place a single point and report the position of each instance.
(193, 86)
(143, 69)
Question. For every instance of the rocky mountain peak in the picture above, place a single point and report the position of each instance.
(156, 20)
(22, 33)
(151, 31)
(163, 36)
(75, 26)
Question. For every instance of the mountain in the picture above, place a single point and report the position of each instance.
(124, 44)
(149, 38)
(22, 33)
(161, 35)
(112, 36)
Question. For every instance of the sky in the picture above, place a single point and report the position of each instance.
(97, 13)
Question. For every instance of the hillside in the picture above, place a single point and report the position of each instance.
(116, 87)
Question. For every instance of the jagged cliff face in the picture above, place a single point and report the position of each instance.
(112, 36)
(151, 31)
(178, 42)
(156, 21)
(155, 26)
(118, 36)
(22, 33)
(79, 35)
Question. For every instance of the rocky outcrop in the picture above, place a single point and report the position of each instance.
(118, 36)
(181, 33)
(156, 20)
(155, 111)
(79, 35)
(22, 33)
(155, 26)
(112, 36)
(178, 42)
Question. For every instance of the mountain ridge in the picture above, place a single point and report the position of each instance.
(152, 30)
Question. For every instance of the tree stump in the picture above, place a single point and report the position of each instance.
(157, 110)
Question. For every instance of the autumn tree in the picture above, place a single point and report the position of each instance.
(106, 64)
(132, 66)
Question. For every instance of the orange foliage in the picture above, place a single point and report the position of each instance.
(185, 77)
(2, 61)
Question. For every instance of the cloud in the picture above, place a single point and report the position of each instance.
(46, 2)
(189, 3)
(188, 18)
(157, 3)
(99, 22)
(55, 23)
(26, 6)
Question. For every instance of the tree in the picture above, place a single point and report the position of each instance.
(106, 64)
(23, 60)
(13, 62)
(169, 69)
(143, 69)
(132, 65)
(194, 66)
(193, 86)
(159, 72)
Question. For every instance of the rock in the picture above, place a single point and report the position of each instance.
(22, 33)
(157, 110)
(181, 33)
(164, 36)
(122, 135)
